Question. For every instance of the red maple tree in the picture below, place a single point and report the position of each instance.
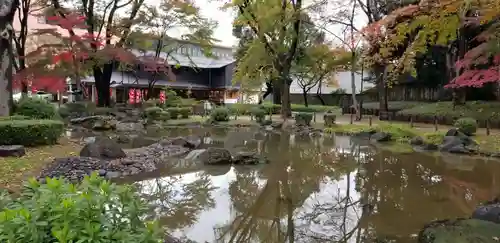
(50, 64)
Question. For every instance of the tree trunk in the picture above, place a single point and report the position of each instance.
(7, 11)
(277, 86)
(381, 73)
(353, 86)
(318, 93)
(286, 109)
(102, 83)
(304, 94)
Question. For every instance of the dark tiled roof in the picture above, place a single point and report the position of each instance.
(190, 61)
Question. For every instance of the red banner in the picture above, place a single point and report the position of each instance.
(162, 96)
(131, 96)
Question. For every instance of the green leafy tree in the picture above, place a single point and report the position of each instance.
(276, 26)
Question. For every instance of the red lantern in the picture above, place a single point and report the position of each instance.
(162, 96)
(131, 96)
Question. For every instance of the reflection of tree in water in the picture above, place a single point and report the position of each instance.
(416, 189)
(177, 204)
(265, 212)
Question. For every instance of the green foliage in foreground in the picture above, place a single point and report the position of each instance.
(93, 211)
(30, 132)
(466, 125)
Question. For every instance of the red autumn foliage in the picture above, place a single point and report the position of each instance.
(55, 62)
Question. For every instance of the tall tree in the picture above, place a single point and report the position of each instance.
(7, 11)
(276, 24)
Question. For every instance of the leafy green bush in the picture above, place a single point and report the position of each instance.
(36, 108)
(239, 109)
(188, 102)
(14, 117)
(259, 114)
(174, 112)
(393, 105)
(398, 132)
(466, 125)
(93, 211)
(185, 112)
(303, 118)
(220, 114)
(271, 108)
(164, 116)
(171, 98)
(30, 132)
(152, 112)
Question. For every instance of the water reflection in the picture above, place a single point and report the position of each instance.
(317, 190)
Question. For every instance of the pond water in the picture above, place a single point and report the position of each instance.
(324, 189)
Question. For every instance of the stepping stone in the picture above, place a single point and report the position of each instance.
(12, 151)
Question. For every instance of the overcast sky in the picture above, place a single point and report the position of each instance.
(211, 9)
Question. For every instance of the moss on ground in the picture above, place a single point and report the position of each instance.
(15, 170)
(461, 231)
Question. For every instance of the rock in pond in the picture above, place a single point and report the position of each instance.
(103, 148)
(488, 212)
(248, 158)
(460, 230)
(216, 156)
(73, 168)
(417, 141)
(191, 142)
(459, 143)
(381, 137)
(12, 151)
(129, 127)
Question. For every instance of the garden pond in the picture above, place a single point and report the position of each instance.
(314, 189)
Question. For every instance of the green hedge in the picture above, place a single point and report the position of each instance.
(30, 132)
(14, 117)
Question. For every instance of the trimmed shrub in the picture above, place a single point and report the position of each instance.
(36, 108)
(30, 132)
(174, 112)
(152, 112)
(93, 211)
(466, 125)
(220, 114)
(259, 114)
(271, 108)
(185, 112)
(81, 107)
(303, 118)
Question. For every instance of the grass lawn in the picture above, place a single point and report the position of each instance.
(403, 133)
(16, 170)
(480, 110)
(393, 105)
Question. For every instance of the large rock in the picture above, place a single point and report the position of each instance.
(12, 151)
(95, 122)
(248, 158)
(329, 119)
(458, 144)
(129, 127)
(381, 137)
(103, 148)
(191, 142)
(488, 212)
(216, 156)
(460, 231)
